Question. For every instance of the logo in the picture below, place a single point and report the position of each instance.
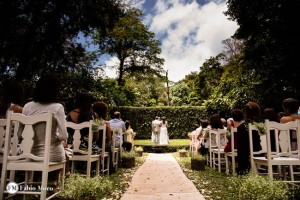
(12, 188)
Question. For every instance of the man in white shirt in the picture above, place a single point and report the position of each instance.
(156, 124)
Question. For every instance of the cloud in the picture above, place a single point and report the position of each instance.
(189, 33)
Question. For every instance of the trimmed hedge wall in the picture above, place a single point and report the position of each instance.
(180, 119)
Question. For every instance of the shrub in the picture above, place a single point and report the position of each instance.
(256, 187)
(140, 149)
(198, 157)
(80, 187)
(128, 154)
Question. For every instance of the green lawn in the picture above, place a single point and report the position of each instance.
(172, 142)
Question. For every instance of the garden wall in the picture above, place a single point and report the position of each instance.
(180, 119)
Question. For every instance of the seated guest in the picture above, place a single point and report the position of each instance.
(129, 133)
(201, 137)
(101, 109)
(82, 112)
(252, 114)
(290, 108)
(271, 115)
(44, 100)
(238, 118)
(117, 123)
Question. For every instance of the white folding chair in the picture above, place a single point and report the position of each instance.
(83, 154)
(192, 148)
(212, 144)
(28, 162)
(283, 154)
(116, 146)
(218, 152)
(104, 155)
(232, 154)
(2, 139)
(14, 142)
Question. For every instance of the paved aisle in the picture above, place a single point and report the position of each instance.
(160, 177)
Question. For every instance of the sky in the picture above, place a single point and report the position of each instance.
(190, 32)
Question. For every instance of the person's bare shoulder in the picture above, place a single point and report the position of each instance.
(286, 119)
(16, 108)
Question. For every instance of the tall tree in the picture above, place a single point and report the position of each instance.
(209, 77)
(271, 44)
(134, 46)
(42, 35)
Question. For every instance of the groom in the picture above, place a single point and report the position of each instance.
(156, 129)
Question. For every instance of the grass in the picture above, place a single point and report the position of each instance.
(172, 142)
(209, 182)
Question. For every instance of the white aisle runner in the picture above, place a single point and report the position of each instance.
(161, 178)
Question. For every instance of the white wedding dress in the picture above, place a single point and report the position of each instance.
(164, 138)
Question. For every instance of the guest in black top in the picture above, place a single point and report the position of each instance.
(252, 114)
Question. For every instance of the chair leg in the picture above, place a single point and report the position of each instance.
(270, 171)
(44, 185)
(98, 167)
(226, 164)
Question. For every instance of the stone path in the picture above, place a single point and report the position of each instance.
(161, 178)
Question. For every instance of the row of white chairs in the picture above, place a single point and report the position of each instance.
(27, 162)
(263, 162)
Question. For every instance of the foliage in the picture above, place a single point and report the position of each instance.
(261, 127)
(128, 154)
(198, 157)
(180, 94)
(80, 187)
(180, 119)
(254, 187)
(182, 150)
(270, 46)
(134, 46)
(215, 185)
(139, 148)
(149, 90)
(41, 36)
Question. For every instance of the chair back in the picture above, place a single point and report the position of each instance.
(2, 137)
(217, 138)
(233, 132)
(117, 138)
(283, 138)
(263, 141)
(103, 129)
(76, 143)
(27, 132)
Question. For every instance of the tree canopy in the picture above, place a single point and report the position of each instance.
(135, 47)
(41, 36)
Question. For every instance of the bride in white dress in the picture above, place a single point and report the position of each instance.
(164, 138)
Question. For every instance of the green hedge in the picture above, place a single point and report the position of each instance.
(180, 119)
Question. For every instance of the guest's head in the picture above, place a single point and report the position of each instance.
(83, 102)
(47, 89)
(252, 112)
(127, 124)
(290, 106)
(216, 122)
(101, 109)
(204, 123)
(271, 114)
(117, 115)
(237, 115)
